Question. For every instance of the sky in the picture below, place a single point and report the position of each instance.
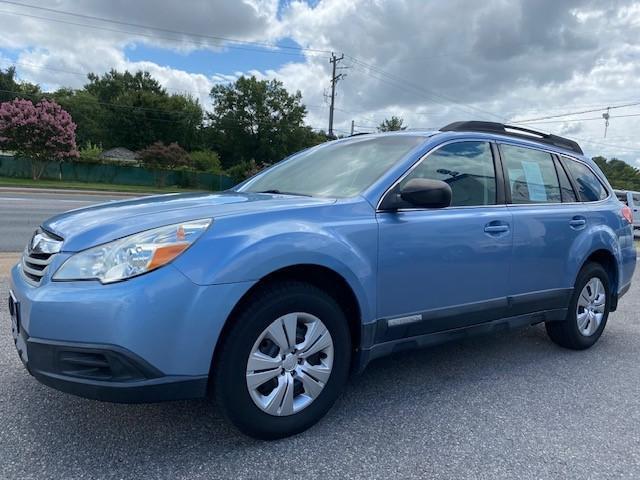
(429, 62)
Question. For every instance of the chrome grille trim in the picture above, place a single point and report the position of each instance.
(33, 269)
(37, 261)
(34, 262)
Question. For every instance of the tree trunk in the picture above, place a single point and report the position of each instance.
(37, 168)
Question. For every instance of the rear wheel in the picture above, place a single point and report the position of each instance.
(284, 362)
(588, 310)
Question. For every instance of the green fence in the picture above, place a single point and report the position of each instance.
(115, 174)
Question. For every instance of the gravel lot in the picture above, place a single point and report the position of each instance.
(509, 406)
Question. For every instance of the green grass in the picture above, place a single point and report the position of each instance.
(28, 183)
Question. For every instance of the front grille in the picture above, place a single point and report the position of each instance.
(34, 266)
(42, 247)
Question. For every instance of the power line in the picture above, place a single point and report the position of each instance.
(559, 115)
(133, 107)
(147, 35)
(419, 88)
(111, 104)
(161, 29)
(385, 77)
(608, 145)
(219, 39)
(575, 120)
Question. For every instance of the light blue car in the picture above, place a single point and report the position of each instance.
(270, 294)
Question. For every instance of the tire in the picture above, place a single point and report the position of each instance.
(272, 307)
(568, 333)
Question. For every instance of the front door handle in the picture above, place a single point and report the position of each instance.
(496, 227)
(578, 222)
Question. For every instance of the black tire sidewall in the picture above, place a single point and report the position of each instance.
(230, 373)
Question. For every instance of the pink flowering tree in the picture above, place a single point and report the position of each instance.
(40, 132)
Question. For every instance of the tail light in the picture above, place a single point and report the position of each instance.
(627, 214)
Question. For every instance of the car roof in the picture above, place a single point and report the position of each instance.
(462, 134)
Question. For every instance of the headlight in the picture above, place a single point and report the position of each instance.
(133, 255)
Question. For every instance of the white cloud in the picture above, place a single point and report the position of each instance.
(435, 62)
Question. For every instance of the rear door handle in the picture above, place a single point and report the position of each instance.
(577, 223)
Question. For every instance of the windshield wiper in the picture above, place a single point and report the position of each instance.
(280, 192)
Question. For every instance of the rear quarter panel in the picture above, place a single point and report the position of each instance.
(612, 232)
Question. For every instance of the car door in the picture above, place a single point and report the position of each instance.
(547, 219)
(446, 268)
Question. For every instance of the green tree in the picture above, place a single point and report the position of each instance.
(206, 161)
(391, 124)
(88, 113)
(11, 88)
(134, 111)
(257, 119)
(620, 174)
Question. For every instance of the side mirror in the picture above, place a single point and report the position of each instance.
(426, 193)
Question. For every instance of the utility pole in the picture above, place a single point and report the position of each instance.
(334, 80)
(606, 121)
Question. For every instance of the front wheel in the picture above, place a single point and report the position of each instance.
(588, 310)
(284, 361)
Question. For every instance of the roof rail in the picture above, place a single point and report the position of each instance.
(513, 131)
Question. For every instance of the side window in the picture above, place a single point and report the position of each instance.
(636, 199)
(468, 169)
(590, 189)
(623, 198)
(531, 175)
(566, 190)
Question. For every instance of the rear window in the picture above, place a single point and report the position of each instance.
(590, 189)
(623, 198)
(531, 174)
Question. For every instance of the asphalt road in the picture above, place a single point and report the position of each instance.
(508, 406)
(22, 212)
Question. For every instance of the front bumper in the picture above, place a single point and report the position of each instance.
(148, 339)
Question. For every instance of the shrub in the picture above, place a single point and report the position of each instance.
(159, 155)
(206, 161)
(244, 170)
(163, 157)
(90, 153)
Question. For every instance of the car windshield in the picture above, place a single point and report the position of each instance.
(337, 169)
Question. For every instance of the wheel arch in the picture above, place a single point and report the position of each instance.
(323, 277)
(608, 261)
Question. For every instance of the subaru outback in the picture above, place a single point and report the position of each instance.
(269, 294)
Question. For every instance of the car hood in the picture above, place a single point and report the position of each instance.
(86, 227)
